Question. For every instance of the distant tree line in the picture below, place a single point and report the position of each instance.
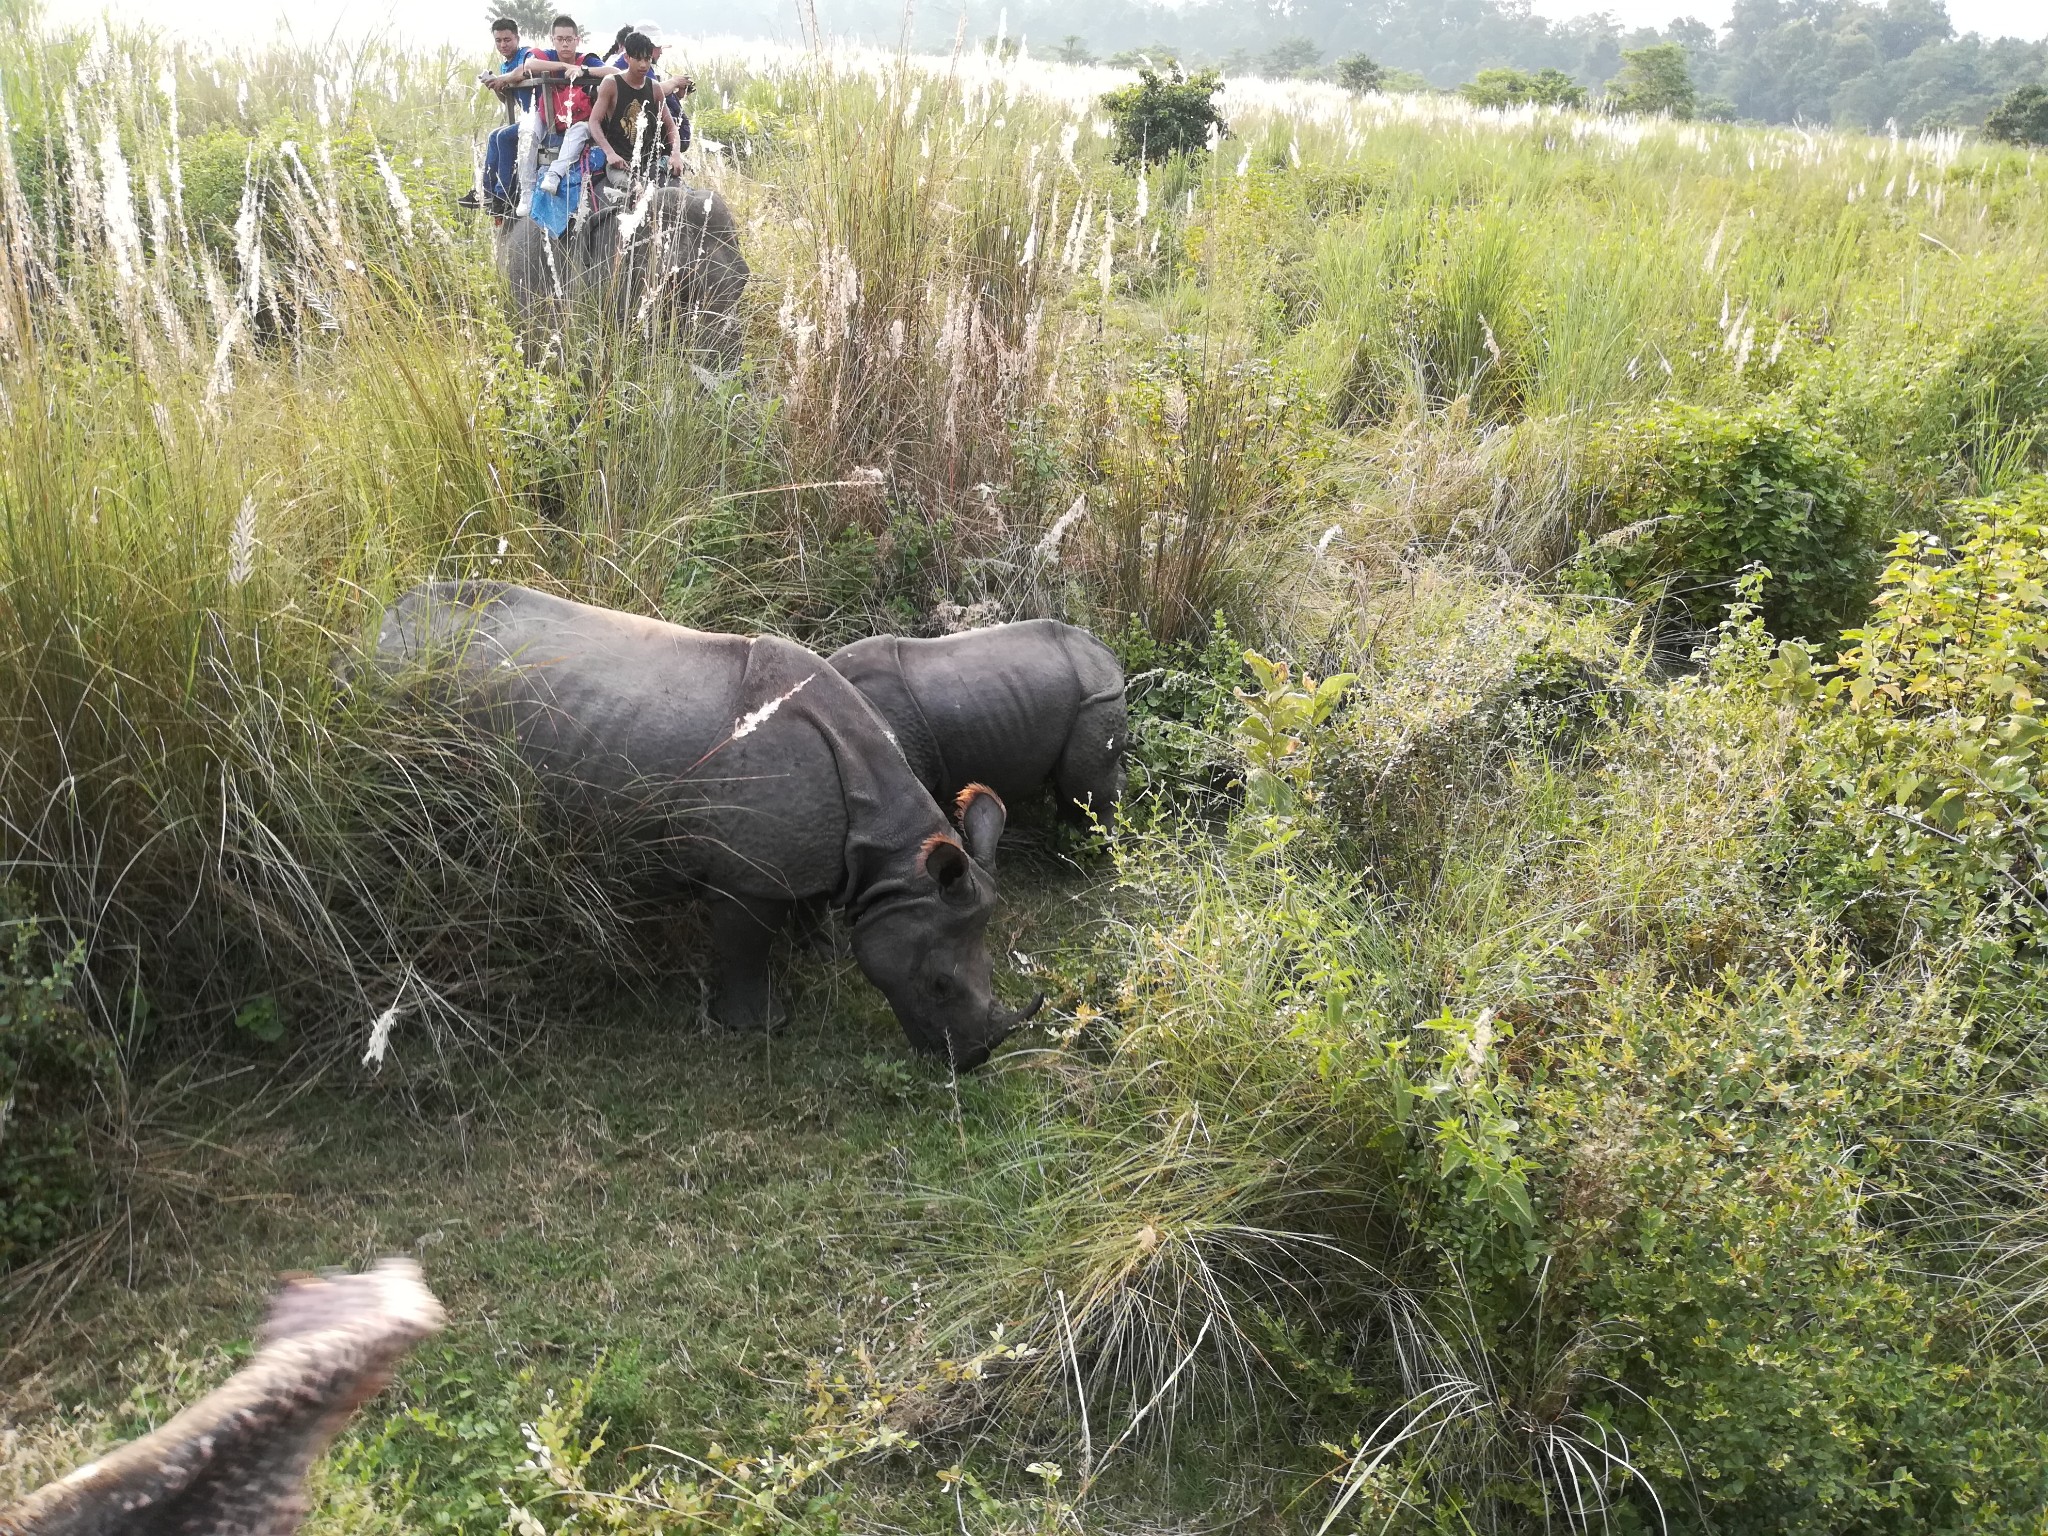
(1854, 63)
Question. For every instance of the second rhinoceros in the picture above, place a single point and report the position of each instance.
(1012, 706)
(745, 773)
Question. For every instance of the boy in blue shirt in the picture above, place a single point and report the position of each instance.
(501, 148)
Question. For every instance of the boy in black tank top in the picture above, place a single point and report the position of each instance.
(631, 119)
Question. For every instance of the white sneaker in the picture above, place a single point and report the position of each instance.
(551, 183)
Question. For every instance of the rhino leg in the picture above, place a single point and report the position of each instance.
(812, 929)
(1090, 772)
(743, 929)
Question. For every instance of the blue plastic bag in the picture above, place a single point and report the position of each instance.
(550, 210)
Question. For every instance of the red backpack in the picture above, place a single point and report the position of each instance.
(567, 104)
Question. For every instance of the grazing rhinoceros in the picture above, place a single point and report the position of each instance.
(1011, 706)
(668, 266)
(235, 1462)
(746, 773)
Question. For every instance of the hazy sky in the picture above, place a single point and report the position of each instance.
(442, 20)
(1995, 18)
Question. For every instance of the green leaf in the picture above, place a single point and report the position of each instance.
(262, 1018)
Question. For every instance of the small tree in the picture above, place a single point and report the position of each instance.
(1360, 73)
(1654, 80)
(1496, 88)
(1555, 88)
(1151, 56)
(1165, 115)
(1073, 49)
(1513, 87)
(1289, 56)
(533, 16)
(2022, 118)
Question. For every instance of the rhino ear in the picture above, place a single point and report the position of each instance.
(946, 862)
(982, 815)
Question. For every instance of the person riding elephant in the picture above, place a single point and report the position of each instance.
(629, 121)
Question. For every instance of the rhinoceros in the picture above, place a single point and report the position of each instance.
(745, 773)
(668, 266)
(1012, 706)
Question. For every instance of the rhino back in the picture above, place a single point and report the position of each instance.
(653, 727)
(874, 667)
(1000, 701)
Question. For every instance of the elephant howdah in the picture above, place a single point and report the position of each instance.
(1013, 706)
(667, 266)
(743, 772)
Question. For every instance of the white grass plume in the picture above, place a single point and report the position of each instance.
(1049, 546)
(380, 1037)
(242, 544)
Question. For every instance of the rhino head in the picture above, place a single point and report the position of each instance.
(925, 946)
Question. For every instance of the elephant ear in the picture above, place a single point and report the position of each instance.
(948, 865)
(982, 816)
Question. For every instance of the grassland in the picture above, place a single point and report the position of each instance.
(1586, 1070)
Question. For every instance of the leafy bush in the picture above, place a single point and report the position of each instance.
(1929, 751)
(1962, 412)
(1163, 116)
(1207, 476)
(1360, 72)
(1182, 703)
(2022, 118)
(1654, 80)
(53, 1070)
(1704, 495)
(1580, 1179)
(1462, 683)
(1514, 87)
(1714, 1157)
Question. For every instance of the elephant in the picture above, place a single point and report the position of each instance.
(668, 267)
(743, 772)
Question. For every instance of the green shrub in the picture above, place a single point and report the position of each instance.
(2022, 118)
(1703, 495)
(1515, 87)
(1165, 115)
(1208, 471)
(1360, 72)
(1181, 710)
(1654, 80)
(53, 1071)
(1961, 412)
(1464, 681)
(1928, 750)
(1713, 1158)
(1583, 1176)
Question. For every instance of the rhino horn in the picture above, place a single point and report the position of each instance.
(1009, 1023)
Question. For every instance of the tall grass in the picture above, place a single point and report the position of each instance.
(256, 380)
(1361, 1142)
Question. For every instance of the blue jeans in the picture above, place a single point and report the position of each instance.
(501, 166)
